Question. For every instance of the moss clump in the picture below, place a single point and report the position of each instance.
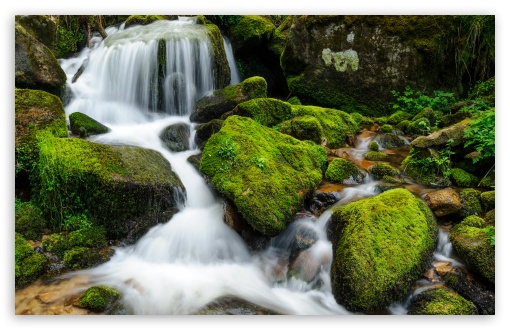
(80, 257)
(56, 243)
(28, 264)
(474, 221)
(490, 217)
(462, 178)
(266, 174)
(376, 155)
(304, 128)
(374, 146)
(488, 199)
(279, 39)
(343, 171)
(380, 247)
(386, 128)
(472, 245)
(379, 170)
(403, 125)
(470, 199)
(294, 100)
(488, 182)
(84, 126)
(94, 236)
(422, 176)
(381, 120)
(441, 302)
(335, 124)
(29, 221)
(142, 19)
(398, 116)
(266, 111)
(253, 29)
(99, 298)
(427, 113)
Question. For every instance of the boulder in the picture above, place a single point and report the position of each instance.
(250, 32)
(41, 27)
(35, 65)
(84, 126)
(488, 199)
(204, 131)
(265, 173)
(176, 137)
(381, 246)
(461, 178)
(266, 111)
(380, 170)
(443, 202)
(389, 140)
(441, 137)
(470, 199)
(125, 189)
(440, 301)
(221, 101)
(343, 171)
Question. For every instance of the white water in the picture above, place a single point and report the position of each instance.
(195, 258)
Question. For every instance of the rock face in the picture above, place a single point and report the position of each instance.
(35, 65)
(126, 189)
(176, 137)
(444, 202)
(380, 247)
(213, 106)
(353, 62)
(441, 301)
(265, 173)
(84, 126)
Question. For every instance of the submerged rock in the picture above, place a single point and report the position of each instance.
(441, 301)
(381, 246)
(265, 173)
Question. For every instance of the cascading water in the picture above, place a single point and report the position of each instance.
(195, 258)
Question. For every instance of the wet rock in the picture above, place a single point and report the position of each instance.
(195, 161)
(234, 219)
(470, 199)
(488, 199)
(84, 126)
(324, 197)
(204, 131)
(176, 137)
(444, 202)
(234, 306)
(380, 170)
(441, 137)
(440, 301)
(389, 140)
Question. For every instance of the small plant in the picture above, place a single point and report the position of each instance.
(227, 150)
(260, 162)
(481, 135)
(490, 232)
(439, 163)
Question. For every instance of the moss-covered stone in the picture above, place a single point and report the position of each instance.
(470, 199)
(80, 258)
(121, 187)
(335, 124)
(373, 146)
(28, 264)
(204, 131)
(381, 120)
(403, 125)
(488, 182)
(380, 247)
(398, 116)
(488, 199)
(462, 178)
(474, 221)
(29, 221)
(490, 217)
(376, 155)
(386, 128)
(41, 27)
(473, 247)
(176, 137)
(279, 39)
(343, 171)
(221, 101)
(56, 243)
(266, 111)
(427, 113)
(440, 138)
(84, 126)
(253, 30)
(99, 298)
(389, 140)
(294, 100)
(304, 128)
(142, 19)
(221, 66)
(423, 176)
(379, 170)
(441, 301)
(266, 174)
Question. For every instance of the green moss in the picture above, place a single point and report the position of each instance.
(427, 113)
(418, 127)
(307, 128)
(473, 221)
(403, 125)
(221, 67)
(79, 258)
(251, 28)
(22, 248)
(28, 264)
(99, 298)
(294, 100)
(266, 111)
(379, 170)
(462, 178)
(488, 182)
(373, 146)
(204, 131)
(343, 171)
(398, 117)
(93, 236)
(470, 199)
(422, 176)
(488, 199)
(29, 221)
(376, 155)
(267, 196)
(381, 120)
(84, 126)
(490, 217)
(142, 19)
(357, 117)
(386, 128)
(279, 40)
(381, 245)
(473, 247)
(441, 302)
(56, 243)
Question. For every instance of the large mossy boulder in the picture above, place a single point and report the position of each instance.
(473, 247)
(125, 189)
(84, 126)
(99, 298)
(221, 101)
(265, 173)
(41, 27)
(266, 111)
(220, 62)
(251, 31)
(441, 301)
(35, 65)
(353, 62)
(381, 246)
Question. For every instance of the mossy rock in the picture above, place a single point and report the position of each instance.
(389, 140)
(473, 247)
(279, 39)
(251, 31)
(41, 27)
(470, 199)
(373, 146)
(335, 124)
(440, 138)
(454, 118)
(29, 221)
(221, 66)
(142, 20)
(343, 171)
(376, 155)
(176, 137)
(28, 264)
(441, 301)
(418, 128)
(304, 128)
(427, 113)
(84, 126)
(121, 187)
(488, 199)
(422, 176)
(488, 182)
(204, 131)
(381, 120)
(462, 178)
(56, 243)
(398, 116)
(381, 246)
(403, 125)
(490, 217)
(35, 65)
(386, 128)
(81, 257)
(379, 170)
(99, 298)
(265, 173)
(294, 100)
(266, 111)
(221, 101)
(474, 221)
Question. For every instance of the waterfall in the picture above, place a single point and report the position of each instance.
(235, 78)
(194, 258)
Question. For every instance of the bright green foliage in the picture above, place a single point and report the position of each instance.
(410, 101)
(462, 178)
(386, 128)
(381, 120)
(56, 243)
(83, 125)
(379, 170)
(470, 199)
(28, 264)
(481, 135)
(376, 155)
(69, 35)
(381, 245)
(441, 301)
(253, 28)
(29, 221)
(398, 116)
(490, 231)
(357, 117)
(423, 171)
(437, 164)
(343, 171)
(224, 21)
(374, 146)
(265, 173)
(99, 298)
(484, 92)
(294, 100)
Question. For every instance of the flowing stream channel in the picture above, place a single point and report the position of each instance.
(194, 259)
